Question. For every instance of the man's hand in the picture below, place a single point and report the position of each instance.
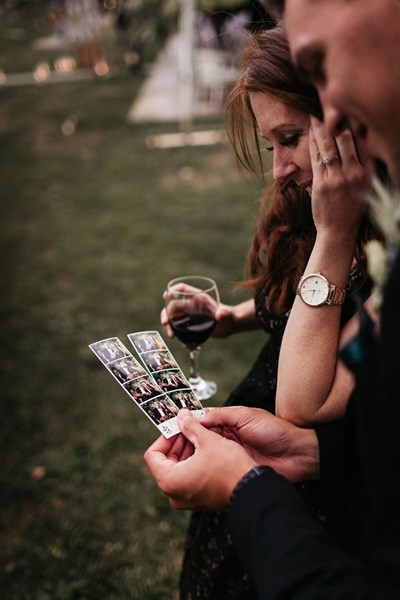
(290, 450)
(198, 468)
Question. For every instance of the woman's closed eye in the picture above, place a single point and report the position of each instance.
(291, 139)
(288, 140)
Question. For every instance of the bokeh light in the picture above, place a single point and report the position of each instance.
(69, 125)
(41, 72)
(131, 58)
(101, 68)
(65, 64)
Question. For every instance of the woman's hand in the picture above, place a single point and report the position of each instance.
(339, 187)
(230, 319)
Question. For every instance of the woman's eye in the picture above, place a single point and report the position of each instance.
(291, 140)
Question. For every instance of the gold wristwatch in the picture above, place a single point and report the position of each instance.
(314, 289)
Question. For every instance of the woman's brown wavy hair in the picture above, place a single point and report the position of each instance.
(285, 233)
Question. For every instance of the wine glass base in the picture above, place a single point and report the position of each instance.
(203, 389)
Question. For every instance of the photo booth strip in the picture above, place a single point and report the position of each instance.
(164, 369)
(159, 391)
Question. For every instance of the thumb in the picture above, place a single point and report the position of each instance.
(191, 428)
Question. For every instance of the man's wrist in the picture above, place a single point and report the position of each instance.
(306, 453)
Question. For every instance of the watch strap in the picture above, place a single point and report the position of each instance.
(336, 296)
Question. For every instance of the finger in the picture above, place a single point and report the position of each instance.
(188, 451)
(347, 149)
(181, 448)
(164, 317)
(326, 144)
(355, 161)
(354, 153)
(156, 458)
(221, 313)
(366, 160)
(193, 430)
(178, 448)
(318, 168)
(323, 148)
(183, 288)
(168, 329)
(165, 322)
(226, 416)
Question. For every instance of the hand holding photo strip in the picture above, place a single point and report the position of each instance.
(159, 388)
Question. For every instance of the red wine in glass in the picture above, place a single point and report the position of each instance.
(193, 329)
(191, 303)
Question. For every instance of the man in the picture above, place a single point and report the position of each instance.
(356, 75)
(350, 50)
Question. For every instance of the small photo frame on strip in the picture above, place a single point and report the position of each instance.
(158, 386)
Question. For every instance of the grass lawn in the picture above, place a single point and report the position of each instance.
(93, 225)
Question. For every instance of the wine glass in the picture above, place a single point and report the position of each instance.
(191, 303)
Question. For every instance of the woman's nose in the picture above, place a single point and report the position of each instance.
(283, 168)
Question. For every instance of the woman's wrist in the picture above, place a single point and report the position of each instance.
(332, 256)
(244, 316)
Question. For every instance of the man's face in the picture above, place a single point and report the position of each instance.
(350, 49)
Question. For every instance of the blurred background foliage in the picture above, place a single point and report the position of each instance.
(93, 224)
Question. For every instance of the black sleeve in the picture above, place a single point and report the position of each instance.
(330, 441)
(285, 549)
(340, 488)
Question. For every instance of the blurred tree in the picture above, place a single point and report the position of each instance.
(33, 13)
(145, 25)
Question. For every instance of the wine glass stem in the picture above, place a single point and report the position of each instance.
(194, 377)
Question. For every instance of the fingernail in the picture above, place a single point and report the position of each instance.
(184, 414)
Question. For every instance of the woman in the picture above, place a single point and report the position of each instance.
(269, 100)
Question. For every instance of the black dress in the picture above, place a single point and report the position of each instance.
(210, 567)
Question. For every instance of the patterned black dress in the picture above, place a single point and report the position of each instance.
(210, 566)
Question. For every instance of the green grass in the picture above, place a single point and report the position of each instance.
(92, 227)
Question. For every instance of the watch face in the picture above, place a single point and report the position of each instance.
(314, 290)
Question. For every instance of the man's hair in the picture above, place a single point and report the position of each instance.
(274, 7)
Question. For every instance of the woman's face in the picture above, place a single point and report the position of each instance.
(285, 129)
